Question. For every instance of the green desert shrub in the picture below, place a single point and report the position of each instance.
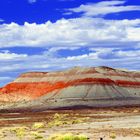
(57, 120)
(62, 119)
(57, 116)
(113, 135)
(36, 135)
(38, 125)
(67, 136)
(19, 131)
(77, 121)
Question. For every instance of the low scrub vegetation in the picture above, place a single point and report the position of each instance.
(113, 135)
(36, 135)
(20, 132)
(38, 125)
(37, 130)
(59, 120)
(68, 136)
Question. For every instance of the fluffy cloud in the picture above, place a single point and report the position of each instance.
(103, 8)
(100, 36)
(6, 55)
(69, 32)
(108, 53)
(84, 56)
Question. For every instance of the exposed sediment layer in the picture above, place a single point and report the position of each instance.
(96, 83)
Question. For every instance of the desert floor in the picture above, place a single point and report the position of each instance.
(108, 123)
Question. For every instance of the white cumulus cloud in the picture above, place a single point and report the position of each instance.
(103, 8)
(6, 55)
(69, 32)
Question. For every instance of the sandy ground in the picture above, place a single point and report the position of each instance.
(110, 123)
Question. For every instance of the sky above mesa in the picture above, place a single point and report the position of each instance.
(50, 35)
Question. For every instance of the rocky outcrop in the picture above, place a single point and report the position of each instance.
(95, 86)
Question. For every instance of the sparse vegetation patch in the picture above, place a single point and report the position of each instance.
(67, 136)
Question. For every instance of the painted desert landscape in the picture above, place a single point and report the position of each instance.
(69, 69)
(96, 103)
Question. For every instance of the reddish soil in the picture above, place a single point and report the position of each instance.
(37, 89)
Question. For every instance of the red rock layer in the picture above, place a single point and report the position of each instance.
(34, 90)
(77, 76)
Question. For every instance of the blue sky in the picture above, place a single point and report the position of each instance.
(49, 35)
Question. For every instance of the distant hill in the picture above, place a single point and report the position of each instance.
(79, 86)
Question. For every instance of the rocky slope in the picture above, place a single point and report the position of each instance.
(79, 86)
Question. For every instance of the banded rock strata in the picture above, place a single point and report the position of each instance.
(79, 86)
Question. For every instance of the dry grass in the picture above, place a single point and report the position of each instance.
(60, 120)
(38, 125)
(67, 136)
(113, 135)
